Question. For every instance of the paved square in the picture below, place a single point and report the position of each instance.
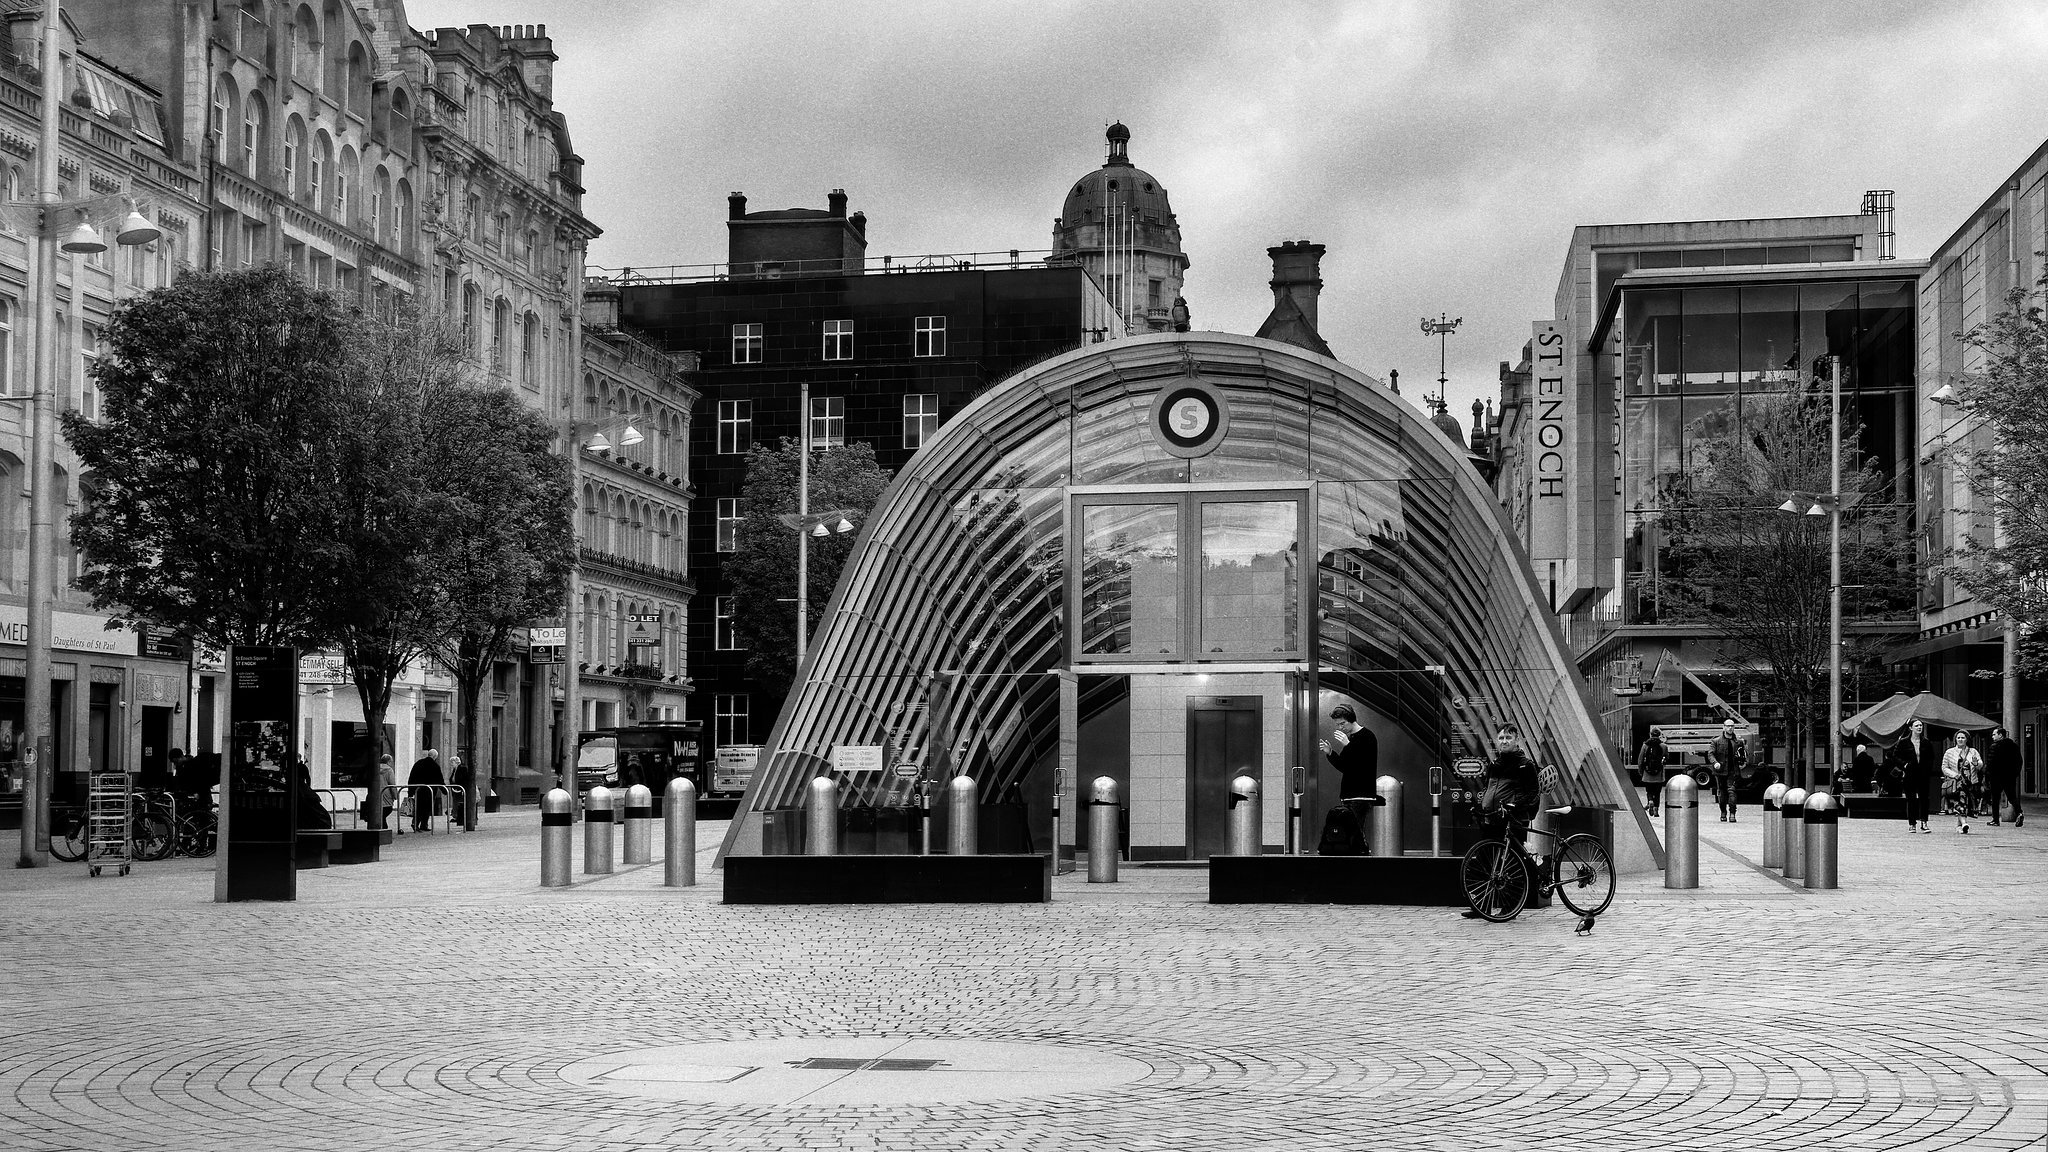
(442, 1000)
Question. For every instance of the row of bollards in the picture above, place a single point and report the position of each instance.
(601, 810)
(1801, 834)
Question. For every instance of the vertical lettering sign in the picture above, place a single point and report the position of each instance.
(259, 827)
(1550, 478)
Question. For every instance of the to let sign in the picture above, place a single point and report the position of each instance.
(544, 645)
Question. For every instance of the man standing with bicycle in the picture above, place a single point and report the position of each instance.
(1512, 788)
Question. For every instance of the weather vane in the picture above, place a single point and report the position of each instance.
(1441, 328)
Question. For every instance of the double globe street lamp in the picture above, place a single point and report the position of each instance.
(581, 436)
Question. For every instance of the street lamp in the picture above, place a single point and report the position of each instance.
(2009, 675)
(580, 436)
(1441, 328)
(1831, 507)
(49, 207)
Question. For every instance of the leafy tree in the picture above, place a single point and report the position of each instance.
(2003, 461)
(762, 569)
(213, 506)
(1760, 576)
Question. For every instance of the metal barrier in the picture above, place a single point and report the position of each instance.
(330, 799)
(924, 816)
(1821, 825)
(679, 834)
(1244, 817)
(1792, 817)
(1059, 788)
(821, 818)
(393, 793)
(557, 815)
(1774, 826)
(1102, 812)
(962, 818)
(597, 831)
(639, 825)
(1681, 832)
(1386, 818)
(1296, 777)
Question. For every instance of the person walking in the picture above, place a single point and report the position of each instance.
(1961, 766)
(1728, 756)
(462, 776)
(2002, 776)
(374, 797)
(1865, 769)
(1918, 758)
(426, 802)
(1650, 763)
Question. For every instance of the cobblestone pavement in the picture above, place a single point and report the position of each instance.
(432, 1001)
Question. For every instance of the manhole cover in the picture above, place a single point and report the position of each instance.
(854, 1070)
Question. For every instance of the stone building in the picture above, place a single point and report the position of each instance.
(1117, 223)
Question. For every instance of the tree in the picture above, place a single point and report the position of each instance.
(213, 506)
(2002, 557)
(1760, 576)
(762, 569)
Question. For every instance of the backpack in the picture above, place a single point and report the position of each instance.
(1342, 833)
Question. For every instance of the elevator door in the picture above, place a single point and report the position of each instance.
(1223, 742)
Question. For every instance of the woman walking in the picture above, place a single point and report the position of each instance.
(1918, 759)
(1961, 768)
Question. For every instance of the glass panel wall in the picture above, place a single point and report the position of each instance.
(1130, 579)
(1250, 585)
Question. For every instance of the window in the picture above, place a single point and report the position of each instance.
(838, 340)
(6, 346)
(377, 209)
(531, 257)
(252, 132)
(448, 289)
(729, 720)
(223, 110)
(252, 242)
(341, 188)
(920, 418)
(735, 426)
(828, 421)
(294, 146)
(474, 223)
(1152, 294)
(929, 336)
(746, 343)
(316, 173)
(723, 637)
(727, 537)
(472, 300)
(529, 334)
(501, 315)
(499, 230)
(88, 359)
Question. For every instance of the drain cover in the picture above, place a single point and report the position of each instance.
(840, 1070)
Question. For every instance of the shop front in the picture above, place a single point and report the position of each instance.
(1166, 561)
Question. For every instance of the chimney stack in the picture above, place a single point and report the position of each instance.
(835, 202)
(736, 206)
(1298, 274)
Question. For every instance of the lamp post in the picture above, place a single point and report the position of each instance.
(577, 437)
(2012, 634)
(1831, 507)
(806, 524)
(49, 210)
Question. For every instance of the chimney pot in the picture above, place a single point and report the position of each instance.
(1297, 273)
(836, 202)
(735, 206)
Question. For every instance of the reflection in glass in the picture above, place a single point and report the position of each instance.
(1130, 579)
(1712, 338)
(1249, 578)
(1770, 337)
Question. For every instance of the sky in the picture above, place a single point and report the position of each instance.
(1442, 152)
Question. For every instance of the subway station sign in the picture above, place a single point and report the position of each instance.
(1551, 458)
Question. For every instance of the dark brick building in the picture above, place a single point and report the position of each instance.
(890, 348)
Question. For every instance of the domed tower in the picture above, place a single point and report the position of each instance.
(1117, 224)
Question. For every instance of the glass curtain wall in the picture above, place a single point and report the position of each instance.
(1696, 361)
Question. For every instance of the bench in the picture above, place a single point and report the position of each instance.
(358, 845)
(314, 846)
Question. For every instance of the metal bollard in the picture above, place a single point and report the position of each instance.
(679, 834)
(1821, 826)
(1295, 778)
(924, 817)
(639, 825)
(1774, 826)
(821, 818)
(597, 831)
(1244, 817)
(1792, 817)
(1386, 818)
(1681, 832)
(556, 818)
(963, 814)
(1102, 814)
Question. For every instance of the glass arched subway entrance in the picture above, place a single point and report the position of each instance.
(1048, 582)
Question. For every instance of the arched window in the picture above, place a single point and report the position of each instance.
(345, 172)
(472, 299)
(501, 315)
(529, 352)
(401, 217)
(306, 48)
(252, 135)
(6, 361)
(380, 199)
(294, 156)
(317, 169)
(223, 116)
(400, 136)
(334, 68)
(358, 81)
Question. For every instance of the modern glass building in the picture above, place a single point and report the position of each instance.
(1164, 560)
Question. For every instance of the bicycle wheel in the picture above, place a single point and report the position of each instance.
(195, 836)
(1585, 875)
(68, 840)
(152, 835)
(1496, 880)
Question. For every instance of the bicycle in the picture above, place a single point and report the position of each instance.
(149, 831)
(1497, 874)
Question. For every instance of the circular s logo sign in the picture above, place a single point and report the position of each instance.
(1189, 418)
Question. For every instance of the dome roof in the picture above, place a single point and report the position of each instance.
(1132, 186)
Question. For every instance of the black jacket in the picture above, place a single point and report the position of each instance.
(1918, 763)
(425, 770)
(2002, 759)
(1728, 754)
(1651, 760)
(1358, 765)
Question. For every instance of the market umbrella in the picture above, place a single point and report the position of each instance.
(1854, 728)
(1884, 723)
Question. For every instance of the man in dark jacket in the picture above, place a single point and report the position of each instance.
(426, 802)
(1355, 753)
(1650, 769)
(1864, 768)
(2002, 776)
(1919, 761)
(1729, 758)
(1513, 789)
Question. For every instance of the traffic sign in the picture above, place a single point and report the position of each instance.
(907, 771)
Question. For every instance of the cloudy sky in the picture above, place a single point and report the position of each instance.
(1442, 151)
